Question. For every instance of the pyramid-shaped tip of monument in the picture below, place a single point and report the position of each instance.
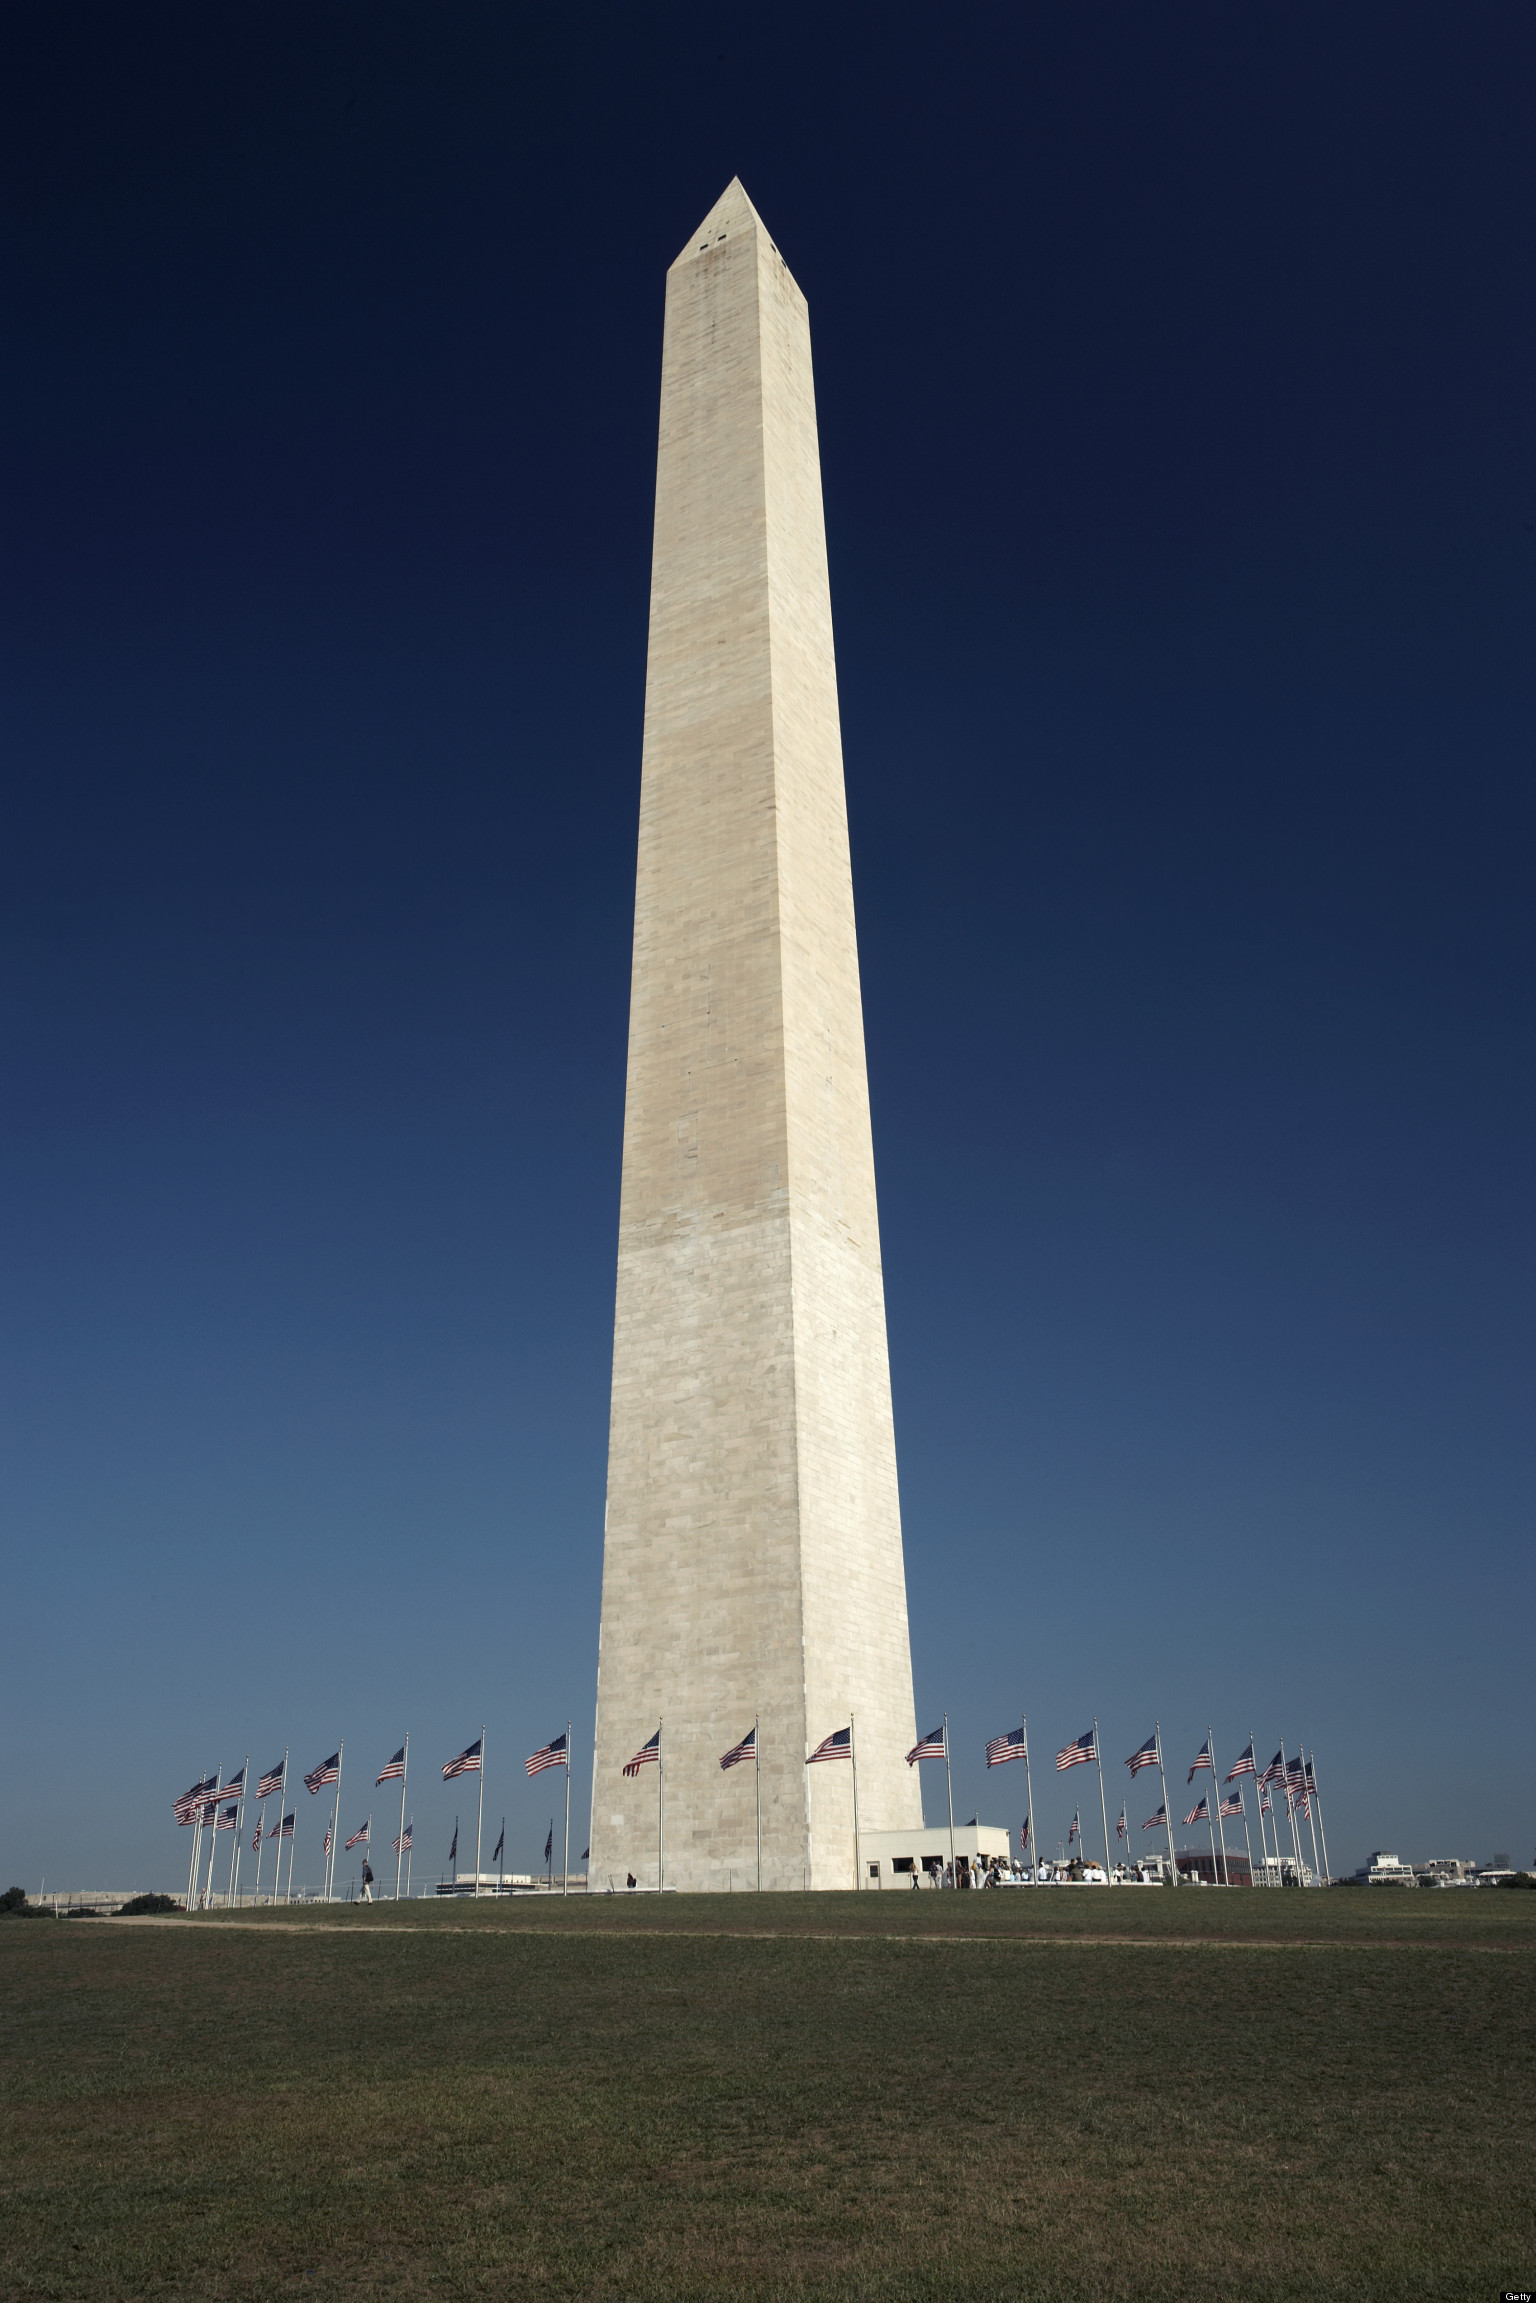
(732, 212)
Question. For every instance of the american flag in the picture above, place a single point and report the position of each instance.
(552, 1755)
(467, 1763)
(229, 1818)
(326, 1849)
(1296, 1787)
(1264, 1806)
(392, 1770)
(283, 1830)
(549, 1844)
(1202, 1759)
(1076, 1826)
(189, 1806)
(1120, 1826)
(838, 1746)
(1231, 1805)
(930, 1746)
(1247, 1765)
(1156, 1822)
(453, 1852)
(1083, 1753)
(208, 1808)
(1005, 1747)
(1024, 1837)
(1311, 1780)
(746, 1749)
(329, 1771)
(1275, 1770)
(1198, 1813)
(356, 1836)
(1145, 1755)
(648, 1755)
(271, 1783)
(501, 1842)
(235, 1787)
(256, 1840)
(402, 1844)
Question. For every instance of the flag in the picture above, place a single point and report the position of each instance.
(467, 1763)
(586, 1854)
(1076, 1826)
(326, 1849)
(1275, 1769)
(1247, 1765)
(283, 1830)
(549, 1844)
(229, 1818)
(1231, 1805)
(1200, 1813)
(271, 1783)
(930, 1747)
(1264, 1806)
(1155, 1822)
(1120, 1826)
(1083, 1753)
(393, 1769)
(235, 1787)
(356, 1836)
(453, 1852)
(501, 1842)
(1002, 1748)
(402, 1845)
(1145, 1755)
(256, 1841)
(329, 1771)
(648, 1755)
(190, 1805)
(838, 1746)
(1202, 1759)
(1311, 1780)
(746, 1749)
(1024, 1837)
(552, 1755)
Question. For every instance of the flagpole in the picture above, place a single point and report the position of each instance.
(949, 1787)
(661, 1804)
(1029, 1793)
(234, 1861)
(1210, 1745)
(282, 1810)
(1098, 1760)
(1317, 1801)
(197, 1824)
(213, 1841)
(566, 1876)
(1311, 1823)
(853, 1761)
(1162, 1777)
(405, 1764)
(330, 1876)
(1290, 1809)
(1258, 1793)
(479, 1819)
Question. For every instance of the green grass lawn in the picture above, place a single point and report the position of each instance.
(1033, 2095)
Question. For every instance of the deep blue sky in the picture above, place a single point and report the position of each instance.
(1176, 370)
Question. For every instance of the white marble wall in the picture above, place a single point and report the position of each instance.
(752, 1560)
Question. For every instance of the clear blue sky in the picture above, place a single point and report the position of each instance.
(1175, 374)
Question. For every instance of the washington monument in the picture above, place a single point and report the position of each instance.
(752, 1563)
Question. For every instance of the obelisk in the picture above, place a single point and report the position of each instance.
(752, 1562)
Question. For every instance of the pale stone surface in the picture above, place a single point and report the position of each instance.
(752, 1558)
